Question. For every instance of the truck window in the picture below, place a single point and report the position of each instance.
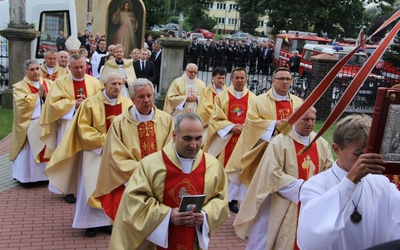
(50, 24)
(307, 55)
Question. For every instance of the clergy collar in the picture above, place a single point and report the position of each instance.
(35, 84)
(279, 97)
(50, 70)
(76, 79)
(217, 89)
(119, 62)
(238, 94)
(304, 139)
(186, 163)
(141, 118)
(187, 79)
(112, 102)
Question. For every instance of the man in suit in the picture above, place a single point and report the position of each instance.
(144, 68)
(156, 56)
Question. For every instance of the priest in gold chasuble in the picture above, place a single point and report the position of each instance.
(148, 216)
(74, 166)
(26, 150)
(139, 131)
(266, 112)
(269, 212)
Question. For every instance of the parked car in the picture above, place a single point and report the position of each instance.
(199, 36)
(206, 33)
(239, 36)
(171, 26)
(175, 33)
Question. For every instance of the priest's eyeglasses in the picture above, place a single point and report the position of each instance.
(288, 79)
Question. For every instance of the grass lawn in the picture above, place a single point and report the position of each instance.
(6, 120)
(328, 135)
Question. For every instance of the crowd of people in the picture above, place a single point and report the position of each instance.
(100, 141)
(231, 53)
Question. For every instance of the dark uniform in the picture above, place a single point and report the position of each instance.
(194, 51)
(254, 52)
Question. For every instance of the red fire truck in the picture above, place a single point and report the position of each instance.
(286, 43)
(347, 73)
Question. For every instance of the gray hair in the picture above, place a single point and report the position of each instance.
(189, 116)
(139, 83)
(28, 62)
(76, 57)
(112, 74)
(119, 46)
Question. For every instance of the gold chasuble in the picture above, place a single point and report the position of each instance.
(279, 167)
(87, 132)
(143, 205)
(180, 88)
(59, 101)
(247, 155)
(148, 145)
(128, 141)
(177, 184)
(24, 99)
(58, 71)
(206, 104)
(228, 110)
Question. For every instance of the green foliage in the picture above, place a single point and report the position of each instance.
(250, 10)
(333, 17)
(6, 120)
(392, 56)
(157, 12)
(328, 135)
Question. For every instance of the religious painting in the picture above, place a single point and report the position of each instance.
(126, 24)
(384, 137)
(390, 149)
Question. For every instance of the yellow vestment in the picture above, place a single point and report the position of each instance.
(251, 147)
(142, 209)
(58, 71)
(87, 132)
(121, 153)
(177, 92)
(219, 119)
(59, 101)
(277, 169)
(24, 103)
(126, 71)
(206, 104)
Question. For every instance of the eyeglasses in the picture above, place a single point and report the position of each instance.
(192, 72)
(283, 79)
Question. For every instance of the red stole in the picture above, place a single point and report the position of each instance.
(111, 113)
(308, 166)
(147, 138)
(79, 88)
(34, 90)
(237, 110)
(213, 96)
(177, 184)
(148, 145)
(283, 109)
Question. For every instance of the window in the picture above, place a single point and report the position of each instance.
(261, 24)
(232, 21)
(221, 20)
(50, 24)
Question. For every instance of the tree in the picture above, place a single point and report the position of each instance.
(157, 12)
(195, 13)
(392, 56)
(250, 10)
(320, 16)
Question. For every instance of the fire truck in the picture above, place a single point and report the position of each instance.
(286, 43)
(347, 73)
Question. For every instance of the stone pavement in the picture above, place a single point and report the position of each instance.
(34, 218)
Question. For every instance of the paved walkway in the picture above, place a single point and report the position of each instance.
(34, 218)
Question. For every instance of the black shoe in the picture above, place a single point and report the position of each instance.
(90, 232)
(70, 198)
(233, 206)
(105, 229)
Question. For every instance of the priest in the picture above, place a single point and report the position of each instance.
(74, 166)
(149, 214)
(139, 131)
